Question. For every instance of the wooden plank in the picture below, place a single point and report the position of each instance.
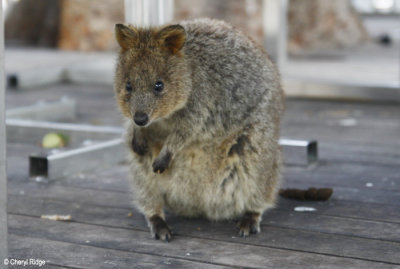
(114, 178)
(82, 256)
(348, 209)
(193, 249)
(320, 240)
(301, 109)
(288, 218)
(348, 185)
(121, 199)
(72, 194)
(23, 204)
(385, 155)
(367, 195)
(295, 238)
(381, 178)
(361, 176)
(323, 132)
(3, 173)
(334, 225)
(376, 123)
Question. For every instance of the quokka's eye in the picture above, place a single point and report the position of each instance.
(128, 87)
(158, 87)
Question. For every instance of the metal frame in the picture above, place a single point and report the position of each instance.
(3, 172)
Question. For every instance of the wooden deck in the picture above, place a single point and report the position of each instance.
(359, 227)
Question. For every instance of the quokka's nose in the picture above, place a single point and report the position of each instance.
(141, 118)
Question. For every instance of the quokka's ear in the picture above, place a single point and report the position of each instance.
(172, 38)
(126, 36)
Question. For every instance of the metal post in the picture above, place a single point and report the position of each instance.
(3, 173)
(275, 29)
(148, 12)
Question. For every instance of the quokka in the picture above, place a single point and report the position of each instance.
(202, 104)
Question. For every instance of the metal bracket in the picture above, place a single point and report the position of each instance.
(299, 152)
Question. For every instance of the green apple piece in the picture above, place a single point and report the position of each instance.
(54, 140)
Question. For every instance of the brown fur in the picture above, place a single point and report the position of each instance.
(210, 146)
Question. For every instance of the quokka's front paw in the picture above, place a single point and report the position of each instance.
(159, 228)
(139, 145)
(161, 162)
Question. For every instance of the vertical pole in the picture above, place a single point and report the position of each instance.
(148, 12)
(3, 174)
(275, 29)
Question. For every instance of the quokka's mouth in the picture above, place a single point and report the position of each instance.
(142, 125)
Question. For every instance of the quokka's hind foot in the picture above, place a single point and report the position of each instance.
(159, 228)
(249, 224)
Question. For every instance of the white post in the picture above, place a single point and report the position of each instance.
(148, 12)
(275, 29)
(3, 174)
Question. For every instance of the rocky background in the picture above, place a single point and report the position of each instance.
(323, 24)
(87, 25)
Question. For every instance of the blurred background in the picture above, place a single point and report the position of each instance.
(323, 44)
